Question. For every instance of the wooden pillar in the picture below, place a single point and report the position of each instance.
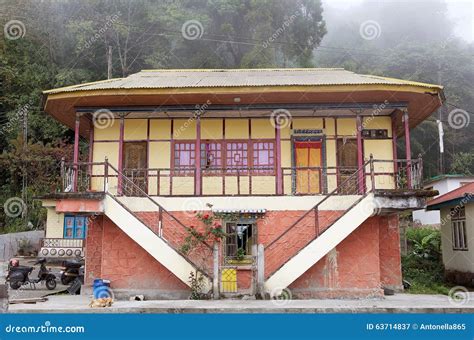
(197, 176)
(407, 147)
(76, 150)
(360, 156)
(279, 172)
(120, 156)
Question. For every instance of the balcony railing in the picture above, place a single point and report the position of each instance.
(240, 181)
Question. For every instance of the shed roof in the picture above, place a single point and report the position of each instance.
(464, 192)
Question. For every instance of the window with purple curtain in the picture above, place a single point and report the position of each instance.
(184, 156)
(263, 157)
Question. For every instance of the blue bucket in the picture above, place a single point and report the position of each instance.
(101, 289)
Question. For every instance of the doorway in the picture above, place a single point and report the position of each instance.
(134, 166)
(308, 162)
(347, 164)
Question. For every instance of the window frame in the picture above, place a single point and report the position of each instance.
(458, 229)
(224, 168)
(75, 227)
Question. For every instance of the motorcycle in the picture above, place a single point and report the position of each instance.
(19, 275)
(70, 271)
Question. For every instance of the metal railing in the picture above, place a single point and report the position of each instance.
(316, 221)
(237, 181)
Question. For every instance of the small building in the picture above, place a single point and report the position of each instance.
(443, 184)
(457, 233)
(299, 165)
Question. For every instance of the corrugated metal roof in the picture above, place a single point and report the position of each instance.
(463, 191)
(162, 79)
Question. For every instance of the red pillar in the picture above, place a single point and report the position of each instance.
(120, 158)
(91, 152)
(394, 142)
(279, 173)
(76, 150)
(197, 178)
(360, 156)
(407, 147)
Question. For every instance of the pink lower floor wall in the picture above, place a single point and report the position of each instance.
(360, 266)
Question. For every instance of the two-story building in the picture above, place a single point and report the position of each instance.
(299, 165)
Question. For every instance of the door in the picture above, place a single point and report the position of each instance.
(347, 164)
(308, 158)
(135, 168)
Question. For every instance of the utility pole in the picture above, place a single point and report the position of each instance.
(109, 63)
(24, 187)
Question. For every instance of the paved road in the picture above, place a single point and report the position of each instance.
(398, 303)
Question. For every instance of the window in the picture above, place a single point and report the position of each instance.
(236, 156)
(263, 157)
(75, 226)
(227, 156)
(184, 155)
(211, 155)
(239, 240)
(458, 226)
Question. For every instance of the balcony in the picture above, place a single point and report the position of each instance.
(376, 174)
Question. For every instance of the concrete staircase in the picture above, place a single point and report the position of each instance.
(156, 246)
(322, 244)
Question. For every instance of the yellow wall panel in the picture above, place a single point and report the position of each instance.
(211, 128)
(285, 131)
(212, 185)
(381, 149)
(262, 128)
(135, 129)
(330, 152)
(330, 127)
(263, 185)
(384, 122)
(160, 155)
(346, 127)
(236, 128)
(55, 224)
(307, 123)
(160, 129)
(107, 131)
(184, 128)
(285, 153)
(106, 149)
(183, 185)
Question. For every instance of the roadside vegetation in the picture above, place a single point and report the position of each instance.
(423, 266)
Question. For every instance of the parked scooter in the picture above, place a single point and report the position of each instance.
(70, 271)
(19, 275)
